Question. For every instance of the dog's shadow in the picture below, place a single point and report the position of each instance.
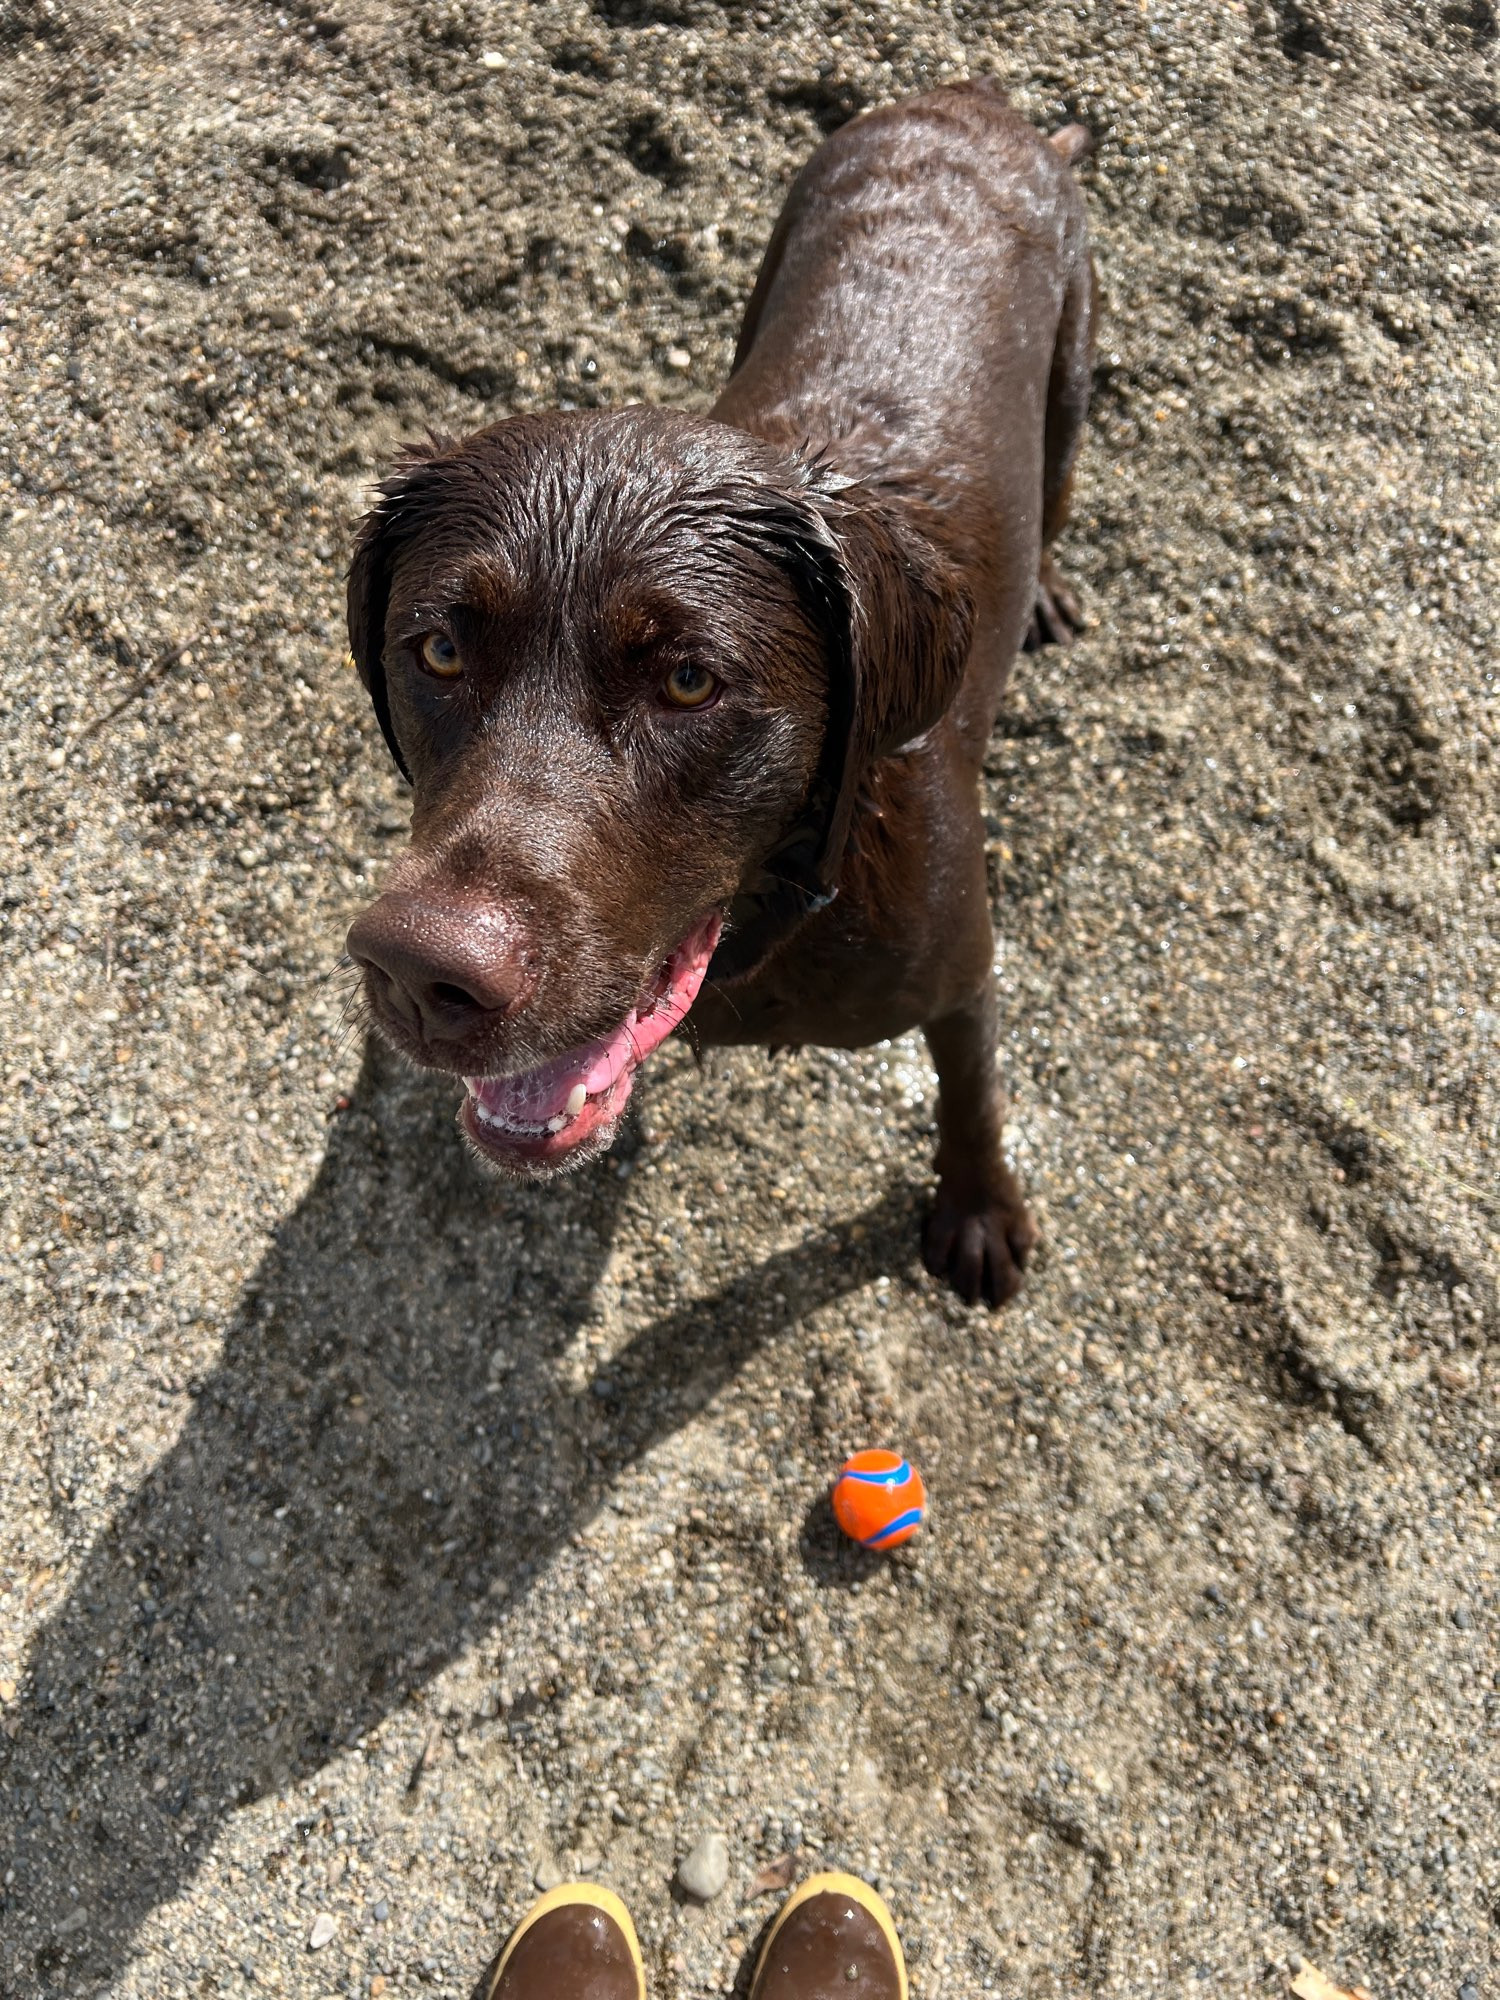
(391, 1445)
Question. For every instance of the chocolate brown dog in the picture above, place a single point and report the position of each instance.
(694, 708)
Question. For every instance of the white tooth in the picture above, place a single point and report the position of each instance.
(577, 1098)
(556, 1124)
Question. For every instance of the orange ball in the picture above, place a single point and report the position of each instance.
(879, 1500)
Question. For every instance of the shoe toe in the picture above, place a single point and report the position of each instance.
(572, 1947)
(832, 1944)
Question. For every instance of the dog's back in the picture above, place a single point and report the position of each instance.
(910, 272)
(923, 301)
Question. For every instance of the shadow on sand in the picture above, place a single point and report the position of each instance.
(346, 1505)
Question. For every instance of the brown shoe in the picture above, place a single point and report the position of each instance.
(576, 1943)
(834, 1940)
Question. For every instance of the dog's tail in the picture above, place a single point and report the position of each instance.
(1073, 143)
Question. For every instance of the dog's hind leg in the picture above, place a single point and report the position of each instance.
(1058, 616)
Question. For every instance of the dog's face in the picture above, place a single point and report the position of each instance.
(586, 641)
(612, 654)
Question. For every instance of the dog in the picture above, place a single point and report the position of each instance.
(694, 708)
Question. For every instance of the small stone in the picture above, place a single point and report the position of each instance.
(1463, 1618)
(381, 1911)
(679, 358)
(548, 1874)
(492, 59)
(56, 759)
(774, 1875)
(704, 1872)
(321, 1932)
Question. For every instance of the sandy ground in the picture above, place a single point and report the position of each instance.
(377, 1540)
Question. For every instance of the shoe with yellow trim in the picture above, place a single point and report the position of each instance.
(834, 1940)
(576, 1943)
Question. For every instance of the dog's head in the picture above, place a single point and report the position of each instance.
(635, 667)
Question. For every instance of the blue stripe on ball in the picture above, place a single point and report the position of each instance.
(910, 1519)
(899, 1475)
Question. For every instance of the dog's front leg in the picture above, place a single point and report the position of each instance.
(980, 1233)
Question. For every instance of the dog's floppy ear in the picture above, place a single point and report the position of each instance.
(898, 623)
(895, 621)
(379, 541)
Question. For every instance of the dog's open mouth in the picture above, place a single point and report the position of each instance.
(547, 1117)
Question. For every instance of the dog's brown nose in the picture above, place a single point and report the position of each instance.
(446, 969)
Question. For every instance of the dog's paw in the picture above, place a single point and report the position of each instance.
(979, 1242)
(1057, 617)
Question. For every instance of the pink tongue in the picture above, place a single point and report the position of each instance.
(537, 1096)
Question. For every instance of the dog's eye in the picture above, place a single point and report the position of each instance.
(441, 657)
(690, 686)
